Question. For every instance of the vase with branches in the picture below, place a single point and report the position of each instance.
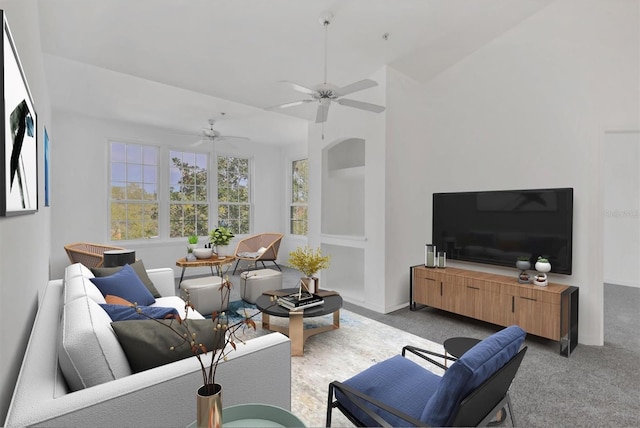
(210, 392)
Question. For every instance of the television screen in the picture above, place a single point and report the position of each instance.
(497, 227)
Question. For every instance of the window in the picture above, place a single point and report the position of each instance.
(188, 194)
(299, 197)
(234, 208)
(133, 192)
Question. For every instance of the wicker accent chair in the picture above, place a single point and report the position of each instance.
(259, 248)
(90, 255)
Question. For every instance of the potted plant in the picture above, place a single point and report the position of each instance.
(523, 264)
(220, 238)
(309, 261)
(542, 266)
(193, 243)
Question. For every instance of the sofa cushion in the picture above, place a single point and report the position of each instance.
(149, 343)
(469, 371)
(78, 286)
(126, 284)
(138, 268)
(123, 313)
(77, 269)
(88, 351)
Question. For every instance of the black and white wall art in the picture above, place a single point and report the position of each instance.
(19, 149)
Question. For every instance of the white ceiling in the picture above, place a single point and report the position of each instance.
(176, 63)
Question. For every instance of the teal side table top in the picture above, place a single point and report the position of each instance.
(257, 415)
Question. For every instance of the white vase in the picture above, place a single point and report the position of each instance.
(543, 267)
(221, 250)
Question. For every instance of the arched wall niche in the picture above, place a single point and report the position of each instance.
(343, 173)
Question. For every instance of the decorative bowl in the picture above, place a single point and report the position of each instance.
(202, 253)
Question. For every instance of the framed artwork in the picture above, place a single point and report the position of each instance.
(19, 145)
(47, 164)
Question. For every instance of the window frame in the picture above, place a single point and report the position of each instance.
(250, 203)
(163, 188)
(167, 192)
(291, 204)
(111, 200)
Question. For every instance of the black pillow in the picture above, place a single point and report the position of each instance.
(147, 343)
(138, 268)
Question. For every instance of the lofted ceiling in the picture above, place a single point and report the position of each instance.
(174, 64)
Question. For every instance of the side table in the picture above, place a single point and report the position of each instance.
(211, 262)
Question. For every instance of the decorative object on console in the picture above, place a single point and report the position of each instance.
(542, 266)
(309, 261)
(19, 148)
(523, 264)
(220, 237)
(202, 253)
(430, 255)
(442, 259)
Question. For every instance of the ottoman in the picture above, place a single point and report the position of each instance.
(255, 282)
(203, 294)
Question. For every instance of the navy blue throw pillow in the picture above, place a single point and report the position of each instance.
(125, 313)
(126, 284)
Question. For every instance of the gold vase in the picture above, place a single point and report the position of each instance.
(209, 401)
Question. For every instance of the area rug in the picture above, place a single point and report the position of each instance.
(337, 355)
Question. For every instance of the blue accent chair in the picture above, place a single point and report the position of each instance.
(400, 392)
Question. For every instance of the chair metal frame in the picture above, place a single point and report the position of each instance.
(478, 408)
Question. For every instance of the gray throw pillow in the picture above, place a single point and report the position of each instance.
(147, 343)
(138, 268)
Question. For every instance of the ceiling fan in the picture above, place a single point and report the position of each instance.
(325, 93)
(210, 135)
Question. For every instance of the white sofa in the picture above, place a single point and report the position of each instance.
(257, 372)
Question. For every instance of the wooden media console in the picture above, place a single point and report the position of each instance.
(550, 312)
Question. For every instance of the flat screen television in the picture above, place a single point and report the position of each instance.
(496, 227)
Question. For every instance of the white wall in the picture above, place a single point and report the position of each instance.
(622, 208)
(526, 111)
(80, 189)
(344, 123)
(24, 240)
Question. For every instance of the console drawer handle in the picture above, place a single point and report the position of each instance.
(475, 288)
(429, 279)
(529, 298)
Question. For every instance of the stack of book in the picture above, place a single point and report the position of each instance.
(300, 301)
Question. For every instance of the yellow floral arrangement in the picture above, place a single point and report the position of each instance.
(308, 260)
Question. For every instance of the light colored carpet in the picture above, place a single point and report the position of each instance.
(339, 354)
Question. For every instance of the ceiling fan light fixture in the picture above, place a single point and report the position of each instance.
(326, 92)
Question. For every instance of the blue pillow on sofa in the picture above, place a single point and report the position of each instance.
(126, 284)
(125, 313)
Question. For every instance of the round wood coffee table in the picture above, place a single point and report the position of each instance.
(295, 330)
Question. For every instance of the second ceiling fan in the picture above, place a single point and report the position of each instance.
(325, 93)
(210, 135)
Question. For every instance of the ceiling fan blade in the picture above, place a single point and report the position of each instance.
(355, 87)
(300, 88)
(361, 105)
(323, 111)
(292, 104)
(232, 137)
